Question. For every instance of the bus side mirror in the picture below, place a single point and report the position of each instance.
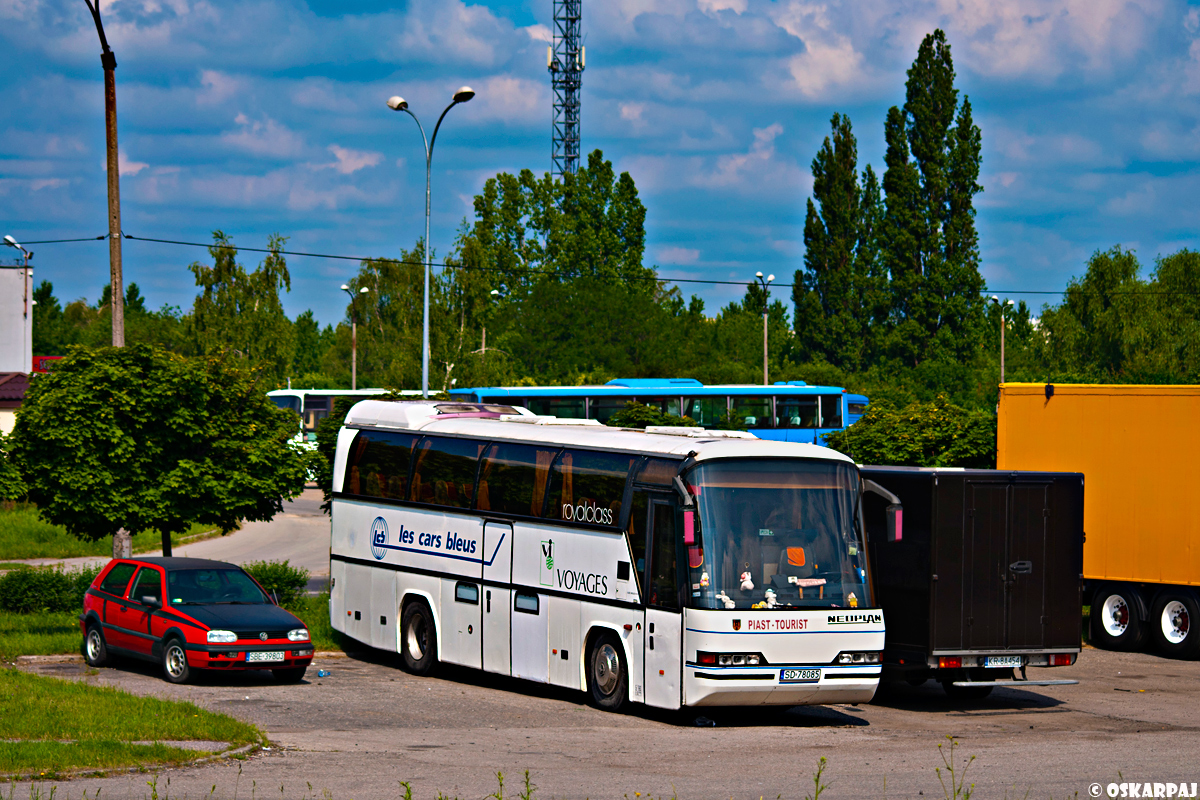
(895, 523)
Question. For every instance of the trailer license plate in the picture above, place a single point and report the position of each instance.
(273, 655)
(1002, 661)
(799, 675)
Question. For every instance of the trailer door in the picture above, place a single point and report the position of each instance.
(985, 566)
(1027, 566)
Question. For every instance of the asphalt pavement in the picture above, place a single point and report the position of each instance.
(368, 725)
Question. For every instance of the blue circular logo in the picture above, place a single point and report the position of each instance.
(379, 538)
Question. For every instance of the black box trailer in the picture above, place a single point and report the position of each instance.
(978, 573)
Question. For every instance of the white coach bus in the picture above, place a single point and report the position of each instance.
(671, 567)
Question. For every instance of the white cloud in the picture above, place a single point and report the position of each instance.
(48, 183)
(678, 255)
(714, 6)
(127, 167)
(734, 168)
(264, 137)
(350, 161)
(217, 87)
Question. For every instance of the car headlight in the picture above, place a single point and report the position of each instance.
(221, 637)
(298, 635)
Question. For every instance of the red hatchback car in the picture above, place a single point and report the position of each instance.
(190, 613)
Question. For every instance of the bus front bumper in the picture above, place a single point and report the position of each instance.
(767, 685)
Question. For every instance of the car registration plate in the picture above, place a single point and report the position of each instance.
(799, 675)
(271, 655)
(1002, 661)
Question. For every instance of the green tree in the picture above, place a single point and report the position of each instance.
(47, 322)
(240, 312)
(931, 247)
(311, 343)
(138, 438)
(932, 434)
(638, 415)
(12, 485)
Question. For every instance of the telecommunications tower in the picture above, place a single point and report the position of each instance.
(565, 60)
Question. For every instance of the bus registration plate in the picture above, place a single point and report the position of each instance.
(1002, 661)
(799, 675)
(274, 655)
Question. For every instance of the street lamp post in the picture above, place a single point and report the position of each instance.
(766, 287)
(396, 103)
(11, 242)
(1002, 306)
(353, 335)
(108, 60)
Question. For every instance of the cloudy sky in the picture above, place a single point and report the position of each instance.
(267, 116)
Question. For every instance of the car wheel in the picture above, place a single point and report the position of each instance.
(95, 650)
(1115, 621)
(608, 677)
(174, 662)
(293, 675)
(419, 640)
(1171, 624)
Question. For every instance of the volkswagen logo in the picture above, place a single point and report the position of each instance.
(263, 636)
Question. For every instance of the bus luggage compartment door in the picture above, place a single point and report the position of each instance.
(664, 642)
(497, 601)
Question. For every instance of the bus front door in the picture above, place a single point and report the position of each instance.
(497, 601)
(664, 617)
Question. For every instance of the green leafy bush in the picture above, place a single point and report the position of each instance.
(637, 415)
(12, 485)
(287, 582)
(936, 434)
(28, 590)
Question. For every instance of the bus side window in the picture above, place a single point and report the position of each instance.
(512, 479)
(444, 472)
(796, 412)
(706, 411)
(588, 487)
(831, 411)
(664, 566)
(636, 534)
(754, 411)
(378, 464)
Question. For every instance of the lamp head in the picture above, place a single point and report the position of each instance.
(11, 242)
(994, 299)
(1009, 303)
(345, 288)
(758, 274)
(770, 278)
(495, 293)
(364, 290)
(397, 103)
(463, 94)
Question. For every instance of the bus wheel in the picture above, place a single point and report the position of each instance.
(418, 644)
(1171, 624)
(608, 678)
(1115, 622)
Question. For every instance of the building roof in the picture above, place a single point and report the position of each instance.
(13, 386)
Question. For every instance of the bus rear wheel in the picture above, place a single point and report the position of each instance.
(608, 677)
(418, 642)
(1173, 624)
(1115, 621)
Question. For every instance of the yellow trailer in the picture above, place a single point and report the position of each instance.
(1139, 450)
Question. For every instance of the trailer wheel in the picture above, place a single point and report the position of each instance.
(1115, 621)
(1173, 624)
(418, 639)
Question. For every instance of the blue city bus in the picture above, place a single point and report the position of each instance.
(789, 411)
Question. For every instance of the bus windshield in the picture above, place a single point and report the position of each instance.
(779, 533)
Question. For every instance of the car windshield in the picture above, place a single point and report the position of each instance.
(780, 533)
(207, 586)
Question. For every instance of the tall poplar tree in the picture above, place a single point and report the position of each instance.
(931, 248)
(837, 295)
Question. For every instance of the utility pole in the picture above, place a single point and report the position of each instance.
(766, 290)
(353, 335)
(1003, 307)
(565, 59)
(108, 60)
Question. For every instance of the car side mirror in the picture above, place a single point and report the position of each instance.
(151, 600)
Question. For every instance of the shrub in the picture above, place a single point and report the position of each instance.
(12, 485)
(637, 415)
(287, 582)
(937, 434)
(28, 590)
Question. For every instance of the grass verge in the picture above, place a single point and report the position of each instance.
(41, 634)
(23, 534)
(97, 727)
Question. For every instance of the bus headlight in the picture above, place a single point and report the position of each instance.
(731, 659)
(869, 657)
(298, 635)
(221, 637)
